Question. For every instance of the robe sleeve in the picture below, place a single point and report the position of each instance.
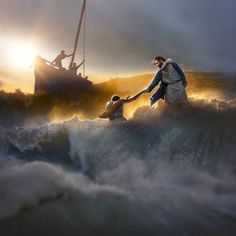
(156, 81)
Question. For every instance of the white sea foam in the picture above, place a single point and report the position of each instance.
(170, 170)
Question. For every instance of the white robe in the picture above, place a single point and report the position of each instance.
(175, 91)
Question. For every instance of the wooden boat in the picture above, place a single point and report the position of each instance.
(50, 79)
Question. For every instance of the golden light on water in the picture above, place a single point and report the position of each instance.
(206, 95)
(130, 108)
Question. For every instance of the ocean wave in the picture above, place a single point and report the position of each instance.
(190, 202)
(169, 169)
(27, 185)
(199, 133)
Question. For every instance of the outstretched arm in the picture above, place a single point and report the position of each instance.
(133, 98)
(155, 82)
(69, 55)
(77, 67)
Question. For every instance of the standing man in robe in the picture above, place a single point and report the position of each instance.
(172, 79)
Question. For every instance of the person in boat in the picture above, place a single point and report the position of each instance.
(172, 82)
(58, 60)
(114, 108)
(74, 68)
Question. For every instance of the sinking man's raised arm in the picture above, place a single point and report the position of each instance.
(133, 98)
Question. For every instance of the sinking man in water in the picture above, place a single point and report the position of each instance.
(114, 108)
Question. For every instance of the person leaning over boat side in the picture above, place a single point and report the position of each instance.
(173, 82)
(58, 60)
(114, 108)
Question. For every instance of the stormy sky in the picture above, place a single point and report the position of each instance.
(124, 35)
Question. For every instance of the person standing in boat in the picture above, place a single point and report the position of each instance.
(58, 60)
(172, 79)
(74, 68)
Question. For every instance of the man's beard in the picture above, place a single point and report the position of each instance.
(160, 65)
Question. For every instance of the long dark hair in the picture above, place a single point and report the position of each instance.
(159, 58)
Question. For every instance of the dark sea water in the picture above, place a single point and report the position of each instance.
(167, 171)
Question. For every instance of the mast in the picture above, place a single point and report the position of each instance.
(84, 46)
(78, 31)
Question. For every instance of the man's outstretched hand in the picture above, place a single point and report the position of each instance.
(145, 90)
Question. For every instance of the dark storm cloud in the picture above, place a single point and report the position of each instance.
(124, 35)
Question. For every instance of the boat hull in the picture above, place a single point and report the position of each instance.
(50, 80)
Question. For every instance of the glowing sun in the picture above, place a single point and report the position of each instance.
(22, 55)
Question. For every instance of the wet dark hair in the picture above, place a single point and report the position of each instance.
(115, 98)
(159, 58)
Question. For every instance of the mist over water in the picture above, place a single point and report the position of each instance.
(167, 171)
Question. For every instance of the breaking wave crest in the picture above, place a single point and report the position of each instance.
(170, 169)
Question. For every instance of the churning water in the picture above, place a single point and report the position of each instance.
(167, 171)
